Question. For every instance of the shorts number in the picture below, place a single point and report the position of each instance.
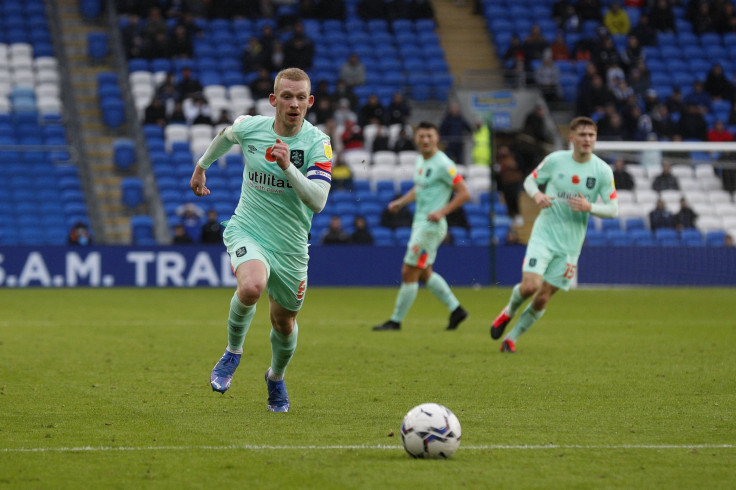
(570, 271)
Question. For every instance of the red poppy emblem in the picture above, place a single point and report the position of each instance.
(269, 156)
(575, 179)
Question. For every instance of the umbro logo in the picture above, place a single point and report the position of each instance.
(252, 149)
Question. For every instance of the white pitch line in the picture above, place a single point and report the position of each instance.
(247, 447)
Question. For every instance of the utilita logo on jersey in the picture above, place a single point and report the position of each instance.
(267, 182)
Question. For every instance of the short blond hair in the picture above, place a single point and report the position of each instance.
(293, 74)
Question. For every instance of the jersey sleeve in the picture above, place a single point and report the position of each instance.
(608, 186)
(240, 127)
(544, 171)
(320, 161)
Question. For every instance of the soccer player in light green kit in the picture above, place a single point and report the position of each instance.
(286, 180)
(574, 181)
(435, 178)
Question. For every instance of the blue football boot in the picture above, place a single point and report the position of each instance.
(278, 398)
(222, 373)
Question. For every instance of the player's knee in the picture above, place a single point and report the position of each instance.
(248, 294)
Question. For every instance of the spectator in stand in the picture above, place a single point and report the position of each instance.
(372, 112)
(380, 141)
(181, 237)
(509, 178)
(335, 234)
(702, 21)
(224, 118)
(699, 97)
(547, 77)
(320, 112)
(685, 217)
(168, 92)
(198, 112)
(535, 125)
(188, 86)
(632, 54)
(404, 142)
(331, 9)
(176, 115)
(421, 9)
(666, 180)
(159, 48)
(155, 112)
(559, 49)
(644, 32)
(661, 16)
(692, 125)
(617, 20)
(534, 46)
(181, 43)
(583, 90)
(728, 241)
(662, 123)
(79, 235)
(642, 87)
(674, 102)
(719, 133)
(589, 10)
(397, 219)
(268, 39)
(559, 11)
(253, 57)
(623, 179)
(343, 91)
(650, 99)
(610, 126)
(571, 20)
(342, 176)
(299, 49)
(343, 114)
(717, 85)
(660, 217)
(261, 86)
(277, 58)
(598, 97)
(453, 129)
(514, 50)
(154, 25)
(353, 71)
(607, 55)
(133, 37)
(190, 216)
(362, 234)
(211, 229)
(398, 110)
(352, 137)
(723, 21)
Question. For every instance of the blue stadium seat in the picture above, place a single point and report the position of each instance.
(480, 236)
(402, 236)
(131, 192)
(123, 153)
(97, 46)
(141, 229)
(382, 237)
(459, 236)
(715, 238)
(662, 234)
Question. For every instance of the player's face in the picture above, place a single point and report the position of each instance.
(291, 100)
(583, 140)
(427, 140)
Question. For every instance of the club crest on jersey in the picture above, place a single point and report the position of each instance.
(590, 182)
(297, 158)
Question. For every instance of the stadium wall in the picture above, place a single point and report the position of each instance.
(355, 266)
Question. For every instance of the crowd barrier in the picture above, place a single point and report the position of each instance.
(348, 265)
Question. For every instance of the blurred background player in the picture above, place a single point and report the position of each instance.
(435, 179)
(286, 179)
(574, 180)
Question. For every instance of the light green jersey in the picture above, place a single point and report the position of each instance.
(433, 181)
(558, 227)
(269, 209)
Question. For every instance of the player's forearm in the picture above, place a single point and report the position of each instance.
(530, 186)
(462, 195)
(219, 146)
(312, 192)
(605, 209)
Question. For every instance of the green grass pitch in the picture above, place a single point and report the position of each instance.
(621, 388)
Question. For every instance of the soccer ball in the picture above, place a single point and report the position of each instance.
(430, 430)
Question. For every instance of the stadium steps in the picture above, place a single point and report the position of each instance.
(98, 139)
(472, 64)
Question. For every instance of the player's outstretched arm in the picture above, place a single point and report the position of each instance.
(462, 195)
(399, 203)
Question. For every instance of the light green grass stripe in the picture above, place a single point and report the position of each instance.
(248, 447)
